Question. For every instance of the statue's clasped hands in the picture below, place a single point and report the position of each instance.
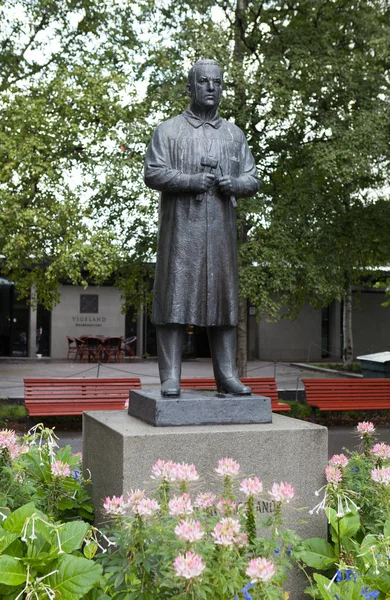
(201, 182)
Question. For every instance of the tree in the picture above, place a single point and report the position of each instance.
(66, 91)
(308, 81)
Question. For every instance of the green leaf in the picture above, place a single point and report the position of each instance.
(12, 571)
(345, 527)
(317, 553)
(386, 529)
(71, 536)
(90, 549)
(6, 539)
(322, 583)
(14, 523)
(74, 576)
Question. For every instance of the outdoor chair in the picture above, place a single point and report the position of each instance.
(112, 348)
(81, 350)
(94, 346)
(72, 348)
(128, 347)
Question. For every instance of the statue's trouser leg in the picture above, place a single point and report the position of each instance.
(222, 342)
(170, 339)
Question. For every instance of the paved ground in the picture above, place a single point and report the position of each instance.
(13, 371)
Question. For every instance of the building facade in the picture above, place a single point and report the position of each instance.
(315, 334)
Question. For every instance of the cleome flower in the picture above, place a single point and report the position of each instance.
(60, 469)
(339, 460)
(365, 428)
(9, 440)
(115, 505)
(381, 451)
(189, 565)
(251, 486)
(260, 569)
(227, 467)
(180, 505)
(189, 530)
(226, 506)
(185, 472)
(166, 471)
(282, 492)
(134, 497)
(226, 531)
(381, 475)
(146, 507)
(206, 500)
(333, 475)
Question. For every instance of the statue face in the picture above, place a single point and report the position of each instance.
(206, 90)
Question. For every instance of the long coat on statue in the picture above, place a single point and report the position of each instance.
(196, 272)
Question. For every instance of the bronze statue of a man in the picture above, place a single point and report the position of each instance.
(200, 163)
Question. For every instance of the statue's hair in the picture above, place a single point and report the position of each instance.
(201, 63)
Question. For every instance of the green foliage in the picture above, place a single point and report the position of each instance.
(66, 90)
(28, 473)
(40, 558)
(356, 557)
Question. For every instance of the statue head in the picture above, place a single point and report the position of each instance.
(204, 85)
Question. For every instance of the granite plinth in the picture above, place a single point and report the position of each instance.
(198, 408)
(119, 451)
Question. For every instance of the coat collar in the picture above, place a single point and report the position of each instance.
(197, 122)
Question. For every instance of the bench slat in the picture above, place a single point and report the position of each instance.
(59, 396)
(347, 394)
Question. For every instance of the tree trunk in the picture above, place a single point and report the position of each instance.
(347, 324)
(242, 338)
(240, 98)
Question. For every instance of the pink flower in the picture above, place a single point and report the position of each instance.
(381, 476)
(282, 492)
(185, 472)
(166, 471)
(241, 540)
(206, 500)
(180, 505)
(260, 569)
(251, 486)
(60, 469)
(333, 474)
(135, 497)
(189, 530)
(9, 440)
(190, 565)
(365, 428)
(225, 532)
(115, 505)
(227, 467)
(381, 450)
(146, 507)
(226, 507)
(339, 460)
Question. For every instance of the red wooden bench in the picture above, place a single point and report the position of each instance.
(45, 397)
(263, 386)
(347, 394)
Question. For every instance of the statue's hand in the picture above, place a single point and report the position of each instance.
(229, 186)
(201, 182)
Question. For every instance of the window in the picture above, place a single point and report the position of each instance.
(89, 303)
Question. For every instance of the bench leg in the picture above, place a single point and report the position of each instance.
(313, 414)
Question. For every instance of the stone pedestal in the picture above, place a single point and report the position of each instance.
(194, 407)
(119, 451)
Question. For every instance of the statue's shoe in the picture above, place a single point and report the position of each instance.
(232, 385)
(170, 388)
